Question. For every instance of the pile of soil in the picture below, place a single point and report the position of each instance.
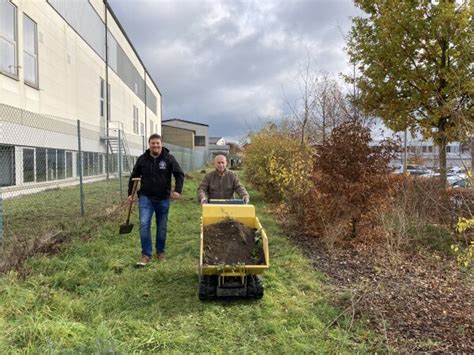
(416, 301)
(230, 242)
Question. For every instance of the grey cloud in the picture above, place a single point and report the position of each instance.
(226, 62)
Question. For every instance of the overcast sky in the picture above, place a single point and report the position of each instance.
(233, 64)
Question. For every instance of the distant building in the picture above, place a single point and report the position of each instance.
(423, 151)
(181, 137)
(217, 145)
(201, 131)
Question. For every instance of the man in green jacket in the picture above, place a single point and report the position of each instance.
(221, 183)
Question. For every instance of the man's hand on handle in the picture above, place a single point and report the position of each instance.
(203, 201)
(246, 200)
(175, 195)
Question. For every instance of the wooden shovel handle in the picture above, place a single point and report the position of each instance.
(134, 191)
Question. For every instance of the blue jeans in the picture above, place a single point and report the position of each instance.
(147, 207)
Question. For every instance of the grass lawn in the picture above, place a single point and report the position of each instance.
(37, 220)
(90, 298)
(52, 210)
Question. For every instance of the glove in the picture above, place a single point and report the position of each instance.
(203, 201)
(246, 199)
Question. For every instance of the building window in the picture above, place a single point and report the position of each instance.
(85, 164)
(135, 119)
(113, 163)
(61, 165)
(142, 129)
(7, 165)
(30, 51)
(102, 98)
(68, 164)
(430, 149)
(28, 165)
(52, 164)
(112, 51)
(151, 100)
(40, 164)
(200, 141)
(8, 38)
(96, 164)
(151, 127)
(90, 164)
(102, 163)
(109, 99)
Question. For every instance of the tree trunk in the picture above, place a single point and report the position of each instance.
(354, 228)
(442, 161)
(324, 128)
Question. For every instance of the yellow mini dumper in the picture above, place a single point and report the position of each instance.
(229, 281)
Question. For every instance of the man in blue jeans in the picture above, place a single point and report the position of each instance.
(155, 168)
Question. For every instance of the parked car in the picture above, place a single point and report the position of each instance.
(463, 183)
(397, 169)
(418, 170)
(430, 174)
(456, 170)
(415, 170)
(453, 178)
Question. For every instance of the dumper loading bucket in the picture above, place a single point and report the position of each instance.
(214, 278)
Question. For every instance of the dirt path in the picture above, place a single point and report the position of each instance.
(417, 302)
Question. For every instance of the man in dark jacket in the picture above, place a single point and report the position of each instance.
(155, 168)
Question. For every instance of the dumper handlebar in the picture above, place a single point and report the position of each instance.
(231, 201)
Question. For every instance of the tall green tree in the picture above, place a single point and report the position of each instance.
(415, 58)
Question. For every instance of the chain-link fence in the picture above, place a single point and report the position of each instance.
(188, 159)
(57, 173)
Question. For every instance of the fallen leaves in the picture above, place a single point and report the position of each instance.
(417, 302)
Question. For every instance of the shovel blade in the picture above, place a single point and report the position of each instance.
(126, 228)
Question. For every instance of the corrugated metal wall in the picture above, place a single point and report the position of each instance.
(81, 16)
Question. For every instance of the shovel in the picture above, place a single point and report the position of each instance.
(127, 226)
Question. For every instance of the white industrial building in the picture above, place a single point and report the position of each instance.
(55, 69)
(423, 151)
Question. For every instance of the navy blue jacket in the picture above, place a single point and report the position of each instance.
(155, 174)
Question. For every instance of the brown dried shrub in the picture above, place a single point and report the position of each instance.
(351, 182)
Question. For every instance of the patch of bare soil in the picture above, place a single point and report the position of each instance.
(48, 244)
(418, 302)
(20, 248)
(230, 242)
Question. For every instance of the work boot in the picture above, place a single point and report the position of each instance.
(161, 256)
(144, 260)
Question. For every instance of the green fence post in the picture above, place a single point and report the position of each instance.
(1, 216)
(119, 160)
